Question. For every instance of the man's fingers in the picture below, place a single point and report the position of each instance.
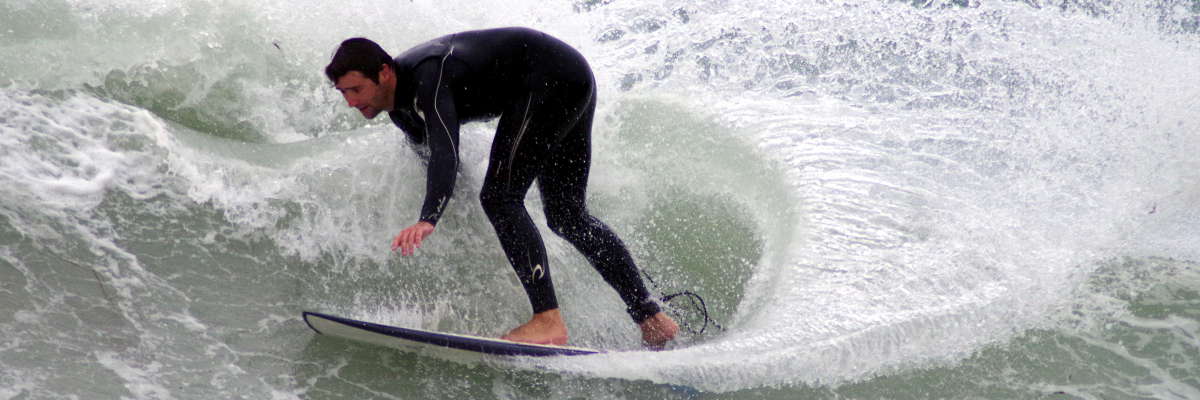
(409, 240)
(408, 246)
(405, 243)
(400, 243)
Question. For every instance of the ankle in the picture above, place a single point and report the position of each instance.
(548, 316)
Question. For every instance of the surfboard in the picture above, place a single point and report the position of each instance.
(420, 340)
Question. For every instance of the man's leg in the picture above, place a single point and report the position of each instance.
(563, 185)
(523, 140)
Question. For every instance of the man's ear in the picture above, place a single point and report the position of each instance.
(386, 74)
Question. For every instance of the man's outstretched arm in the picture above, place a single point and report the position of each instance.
(436, 102)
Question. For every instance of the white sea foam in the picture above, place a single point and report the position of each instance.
(67, 153)
(140, 379)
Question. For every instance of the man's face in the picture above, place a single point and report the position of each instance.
(368, 97)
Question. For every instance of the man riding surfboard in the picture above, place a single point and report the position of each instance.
(544, 94)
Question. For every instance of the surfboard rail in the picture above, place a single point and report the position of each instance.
(405, 338)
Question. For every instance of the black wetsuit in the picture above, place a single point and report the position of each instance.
(545, 96)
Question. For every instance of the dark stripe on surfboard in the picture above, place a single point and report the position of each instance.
(449, 340)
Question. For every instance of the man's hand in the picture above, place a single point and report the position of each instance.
(410, 238)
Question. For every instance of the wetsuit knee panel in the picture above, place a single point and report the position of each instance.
(566, 223)
(497, 202)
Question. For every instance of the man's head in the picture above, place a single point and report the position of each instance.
(365, 74)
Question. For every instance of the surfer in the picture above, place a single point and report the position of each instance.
(544, 94)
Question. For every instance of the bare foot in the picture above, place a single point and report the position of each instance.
(658, 330)
(546, 327)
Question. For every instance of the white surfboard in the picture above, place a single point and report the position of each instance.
(417, 340)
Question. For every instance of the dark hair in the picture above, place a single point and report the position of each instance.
(358, 54)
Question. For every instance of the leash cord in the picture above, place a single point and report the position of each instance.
(696, 302)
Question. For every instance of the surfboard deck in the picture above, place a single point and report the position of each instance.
(419, 340)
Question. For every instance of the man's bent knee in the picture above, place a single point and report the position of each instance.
(566, 224)
(498, 205)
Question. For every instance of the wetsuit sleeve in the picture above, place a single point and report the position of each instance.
(435, 101)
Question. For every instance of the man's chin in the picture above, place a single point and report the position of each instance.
(370, 114)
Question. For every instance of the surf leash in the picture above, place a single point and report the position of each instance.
(695, 302)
